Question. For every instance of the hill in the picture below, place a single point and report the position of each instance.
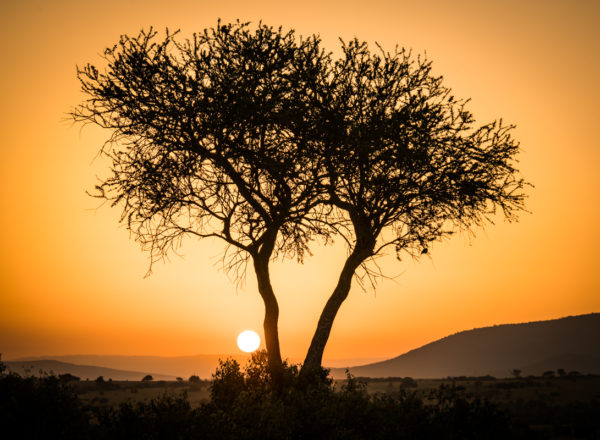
(569, 343)
(183, 366)
(40, 367)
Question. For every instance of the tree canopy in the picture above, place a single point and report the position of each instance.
(404, 162)
(262, 139)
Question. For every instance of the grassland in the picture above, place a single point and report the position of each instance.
(112, 393)
(555, 391)
(239, 406)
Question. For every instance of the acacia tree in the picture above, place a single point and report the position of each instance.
(208, 140)
(404, 163)
(264, 141)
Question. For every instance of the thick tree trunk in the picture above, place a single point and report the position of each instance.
(314, 355)
(261, 267)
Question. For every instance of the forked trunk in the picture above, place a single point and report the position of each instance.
(271, 317)
(314, 355)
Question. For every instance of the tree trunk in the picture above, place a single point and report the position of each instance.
(261, 267)
(314, 355)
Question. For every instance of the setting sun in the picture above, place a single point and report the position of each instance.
(248, 341)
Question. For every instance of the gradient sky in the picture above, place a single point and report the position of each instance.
(72, 280)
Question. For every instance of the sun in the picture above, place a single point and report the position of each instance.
(248, 341)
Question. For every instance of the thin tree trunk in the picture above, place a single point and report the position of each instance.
(314, 355)
(261, 267)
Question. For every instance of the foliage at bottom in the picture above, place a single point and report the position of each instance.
(248, 404)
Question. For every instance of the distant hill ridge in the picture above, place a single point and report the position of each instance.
(203, 365)
(91, 372)
(571, 343)
(184, 366)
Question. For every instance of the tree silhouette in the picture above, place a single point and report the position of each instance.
(404, 165)
(209, 138)
(263, 140)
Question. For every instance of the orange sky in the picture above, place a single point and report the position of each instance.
(72, 281)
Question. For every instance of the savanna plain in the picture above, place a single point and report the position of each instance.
(239, 402)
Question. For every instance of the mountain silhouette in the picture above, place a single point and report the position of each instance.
(184, 366)
(571, 343)
(91, 372)
(202, 365)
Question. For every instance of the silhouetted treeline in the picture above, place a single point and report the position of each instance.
(245, 405)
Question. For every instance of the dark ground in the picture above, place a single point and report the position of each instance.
(239, 406)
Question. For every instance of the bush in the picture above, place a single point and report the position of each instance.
(68, 378)
(44, 407)
(165, 417)
(408, 382)
(247, 404)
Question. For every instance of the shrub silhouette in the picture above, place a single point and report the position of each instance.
(44, 407)
(245, 404)
(165, 417)
(67, 377)
(408, 382)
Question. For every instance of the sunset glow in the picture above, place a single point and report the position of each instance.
(72, 280)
